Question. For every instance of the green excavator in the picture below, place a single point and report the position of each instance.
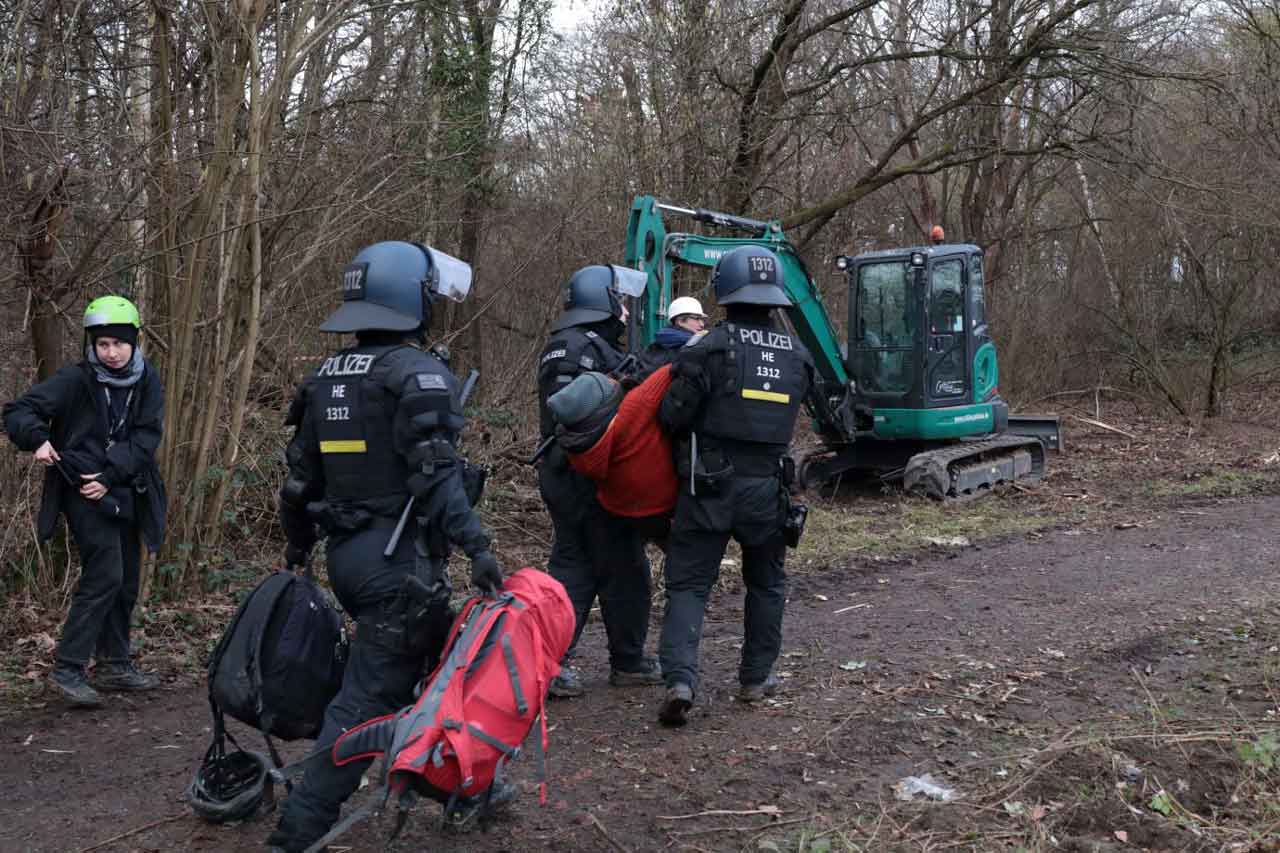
(914, 395)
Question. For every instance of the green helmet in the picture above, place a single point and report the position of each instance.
(111, 311)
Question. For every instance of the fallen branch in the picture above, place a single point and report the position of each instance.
(850, 607)
(769, 810)
(768, 827)
(113, 839)
(607, 837)
(1101, 425)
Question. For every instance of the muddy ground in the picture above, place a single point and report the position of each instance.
(1089, 665)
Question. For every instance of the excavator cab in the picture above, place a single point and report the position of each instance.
(920, 357)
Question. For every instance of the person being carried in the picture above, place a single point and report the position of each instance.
(617, 442)
(96, 425)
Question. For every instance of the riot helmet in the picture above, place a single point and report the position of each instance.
(229, 785)
(592, 294)
(390, 286)
(749, 275)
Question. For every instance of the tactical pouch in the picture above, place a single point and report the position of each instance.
(788, 472)
(793, 523)
(338, 519)
(416, 622)
(711, 470)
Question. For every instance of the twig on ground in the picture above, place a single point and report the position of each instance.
(595, 821)
(769, 810)
(113, 839)
(766, 827)
(1156, 714)
(1101, 425)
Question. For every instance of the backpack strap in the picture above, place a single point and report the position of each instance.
(255, 670)
(368, 810)
(509, 656)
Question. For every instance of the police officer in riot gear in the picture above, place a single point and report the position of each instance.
(594, 553)
(732, 406)
(375, 428)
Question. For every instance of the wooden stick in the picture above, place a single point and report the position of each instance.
(607, 837)
(1101, 425)
(143, 828)
(769, 810)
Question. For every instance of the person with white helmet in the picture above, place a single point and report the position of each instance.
(686, 319)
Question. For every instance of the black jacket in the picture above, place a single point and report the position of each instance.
(69, 409)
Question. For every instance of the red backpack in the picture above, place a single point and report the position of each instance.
(478, 706)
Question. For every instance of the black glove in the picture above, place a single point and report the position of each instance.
(485, 574)
(294, 557)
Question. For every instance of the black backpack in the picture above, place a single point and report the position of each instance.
(280, 661)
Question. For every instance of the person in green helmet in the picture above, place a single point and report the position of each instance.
(96, 425)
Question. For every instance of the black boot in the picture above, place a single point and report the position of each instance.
(757, 692)
(647, 673)
(123, 678)
(71, 685)
(674, 710)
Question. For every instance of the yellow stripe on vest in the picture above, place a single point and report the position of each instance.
(771, 396)
(352, 445)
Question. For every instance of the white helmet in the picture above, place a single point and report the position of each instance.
(685, 305)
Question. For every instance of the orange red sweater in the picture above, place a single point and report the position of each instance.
(631, 464)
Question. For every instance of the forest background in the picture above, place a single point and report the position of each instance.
(219, 162)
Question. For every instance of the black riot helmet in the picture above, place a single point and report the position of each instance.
(391, 286)
(590, 297)
(749, 275)
(230, 785)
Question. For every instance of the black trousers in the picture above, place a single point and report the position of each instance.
(750, 510)
(597, 554)
(377, 680)
(111, 568)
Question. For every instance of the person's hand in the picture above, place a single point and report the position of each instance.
(485, 574)
(93, 489)
(46, 455)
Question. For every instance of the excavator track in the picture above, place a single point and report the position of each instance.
(971, 469)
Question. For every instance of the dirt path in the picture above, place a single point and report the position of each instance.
(946, 663)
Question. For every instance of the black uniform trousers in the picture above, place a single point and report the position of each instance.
(597, 554)
(750, 510)
(102, 605)
(377, 680)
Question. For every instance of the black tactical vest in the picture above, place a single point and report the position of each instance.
(759, 378)
(570, 352)
(352, 405)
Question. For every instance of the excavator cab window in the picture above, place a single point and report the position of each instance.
(884, 351)
(946, 343)
(977, 299)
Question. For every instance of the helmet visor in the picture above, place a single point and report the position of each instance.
(627, 281)
(451, 278)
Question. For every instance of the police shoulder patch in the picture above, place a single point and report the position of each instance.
(431, 382)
